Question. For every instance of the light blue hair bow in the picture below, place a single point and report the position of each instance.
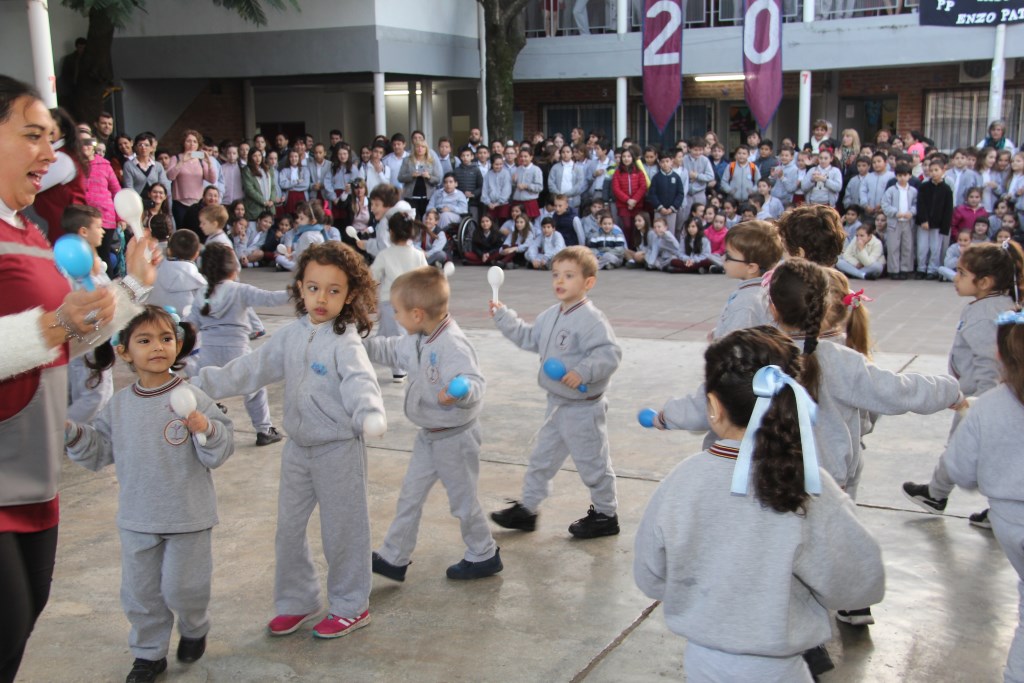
(1010, 318)
(768, 382)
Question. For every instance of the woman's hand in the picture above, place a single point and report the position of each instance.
(140, 267)
(87, 310)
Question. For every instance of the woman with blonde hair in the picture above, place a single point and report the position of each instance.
(420, 176)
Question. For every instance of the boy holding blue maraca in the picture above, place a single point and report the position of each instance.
(579, 353)
(444, 396)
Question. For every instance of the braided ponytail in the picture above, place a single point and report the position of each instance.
(799, 291)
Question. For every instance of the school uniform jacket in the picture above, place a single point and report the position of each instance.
(580, 336)
(785, 186)
(735, 576)
(704, 170)
(746, 307)
(828, 192)
(738, 182)
(935, 205)
(872, 188)
(972, 358)
(667, 191)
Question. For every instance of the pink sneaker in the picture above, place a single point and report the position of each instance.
(335, 627)
(283, 624)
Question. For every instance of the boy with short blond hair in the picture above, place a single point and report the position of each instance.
(752, 248)
(447, 446)
(576, 334)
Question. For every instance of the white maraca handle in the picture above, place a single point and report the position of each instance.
(495, 276)
(183, 403)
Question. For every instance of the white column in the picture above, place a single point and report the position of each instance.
(414, 114)
(380, 125)
(804, 128)
(620, 110)
(249, 108)
(42, 52)
(481, 29)
(995, 86)
(427, 105)
(621, 90)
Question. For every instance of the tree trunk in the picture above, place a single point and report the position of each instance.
(506, 37)
(96, 73)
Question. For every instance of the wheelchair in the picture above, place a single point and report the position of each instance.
(460, 236)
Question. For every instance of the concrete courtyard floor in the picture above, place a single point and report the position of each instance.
(562, 610)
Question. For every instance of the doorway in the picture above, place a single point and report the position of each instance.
(867, 115)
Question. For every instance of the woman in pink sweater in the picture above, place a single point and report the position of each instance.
(187, 172)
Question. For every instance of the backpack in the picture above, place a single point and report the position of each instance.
(732, 171)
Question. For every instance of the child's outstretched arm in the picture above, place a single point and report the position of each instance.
(254, 296)
(686, 412)
(90, 445)
(360, 393)
(389, 351)
(520, 333)
(220, 433)
(867, 386)
(246, 374)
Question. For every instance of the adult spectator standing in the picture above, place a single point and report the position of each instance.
(143, 171)
(70, 69)
(394, 160)
(259, 186)
(103, 131)
(475, 139)
(996, 138)
(38, 316)
(188, 172)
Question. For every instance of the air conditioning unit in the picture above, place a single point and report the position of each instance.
(979, 70)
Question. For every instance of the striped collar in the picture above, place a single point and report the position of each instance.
(752, 282)
(440, 329)
(159, 391)
(989, 296)
(726, 448)
(575, 306)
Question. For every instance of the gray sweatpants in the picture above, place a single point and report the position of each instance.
(387, 326)
(899, 243)
(577, 428)
(1006, 516)
(455, 461)
(164, 574)
(705, 665)
(255, 404)
(332, 476)
(941, 485)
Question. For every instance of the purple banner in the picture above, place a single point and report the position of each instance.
(762, 58)
(662, 59)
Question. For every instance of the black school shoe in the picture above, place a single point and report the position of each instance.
(268, 437)
(919, 494)
(385, 568)
(818, 660)
(465, 570)
(146, 670)
(594, 525)
(516, 516)
(191, 649)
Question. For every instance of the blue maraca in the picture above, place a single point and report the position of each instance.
(555, 369)
(75, 257)
(647, 416)
(458, 387)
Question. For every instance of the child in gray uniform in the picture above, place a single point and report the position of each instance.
(577, 334)
(330, 391)
(167, 506)
(752, 248)
(984, 454)
(221, 315)
(447, 447)
(993, 275)
(750, 606)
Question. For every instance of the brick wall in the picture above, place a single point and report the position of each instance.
(531, 96)
(215, 112)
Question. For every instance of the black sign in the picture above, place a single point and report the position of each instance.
(971, 12)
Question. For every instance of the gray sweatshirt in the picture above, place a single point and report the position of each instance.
(972, 359)
(433, 361)
(739, 577)
(178, 284)
(163, 475)
(746, 307)
(849, 383)
(330, 385)
(984, 452)
(579, 336)
(228, 321)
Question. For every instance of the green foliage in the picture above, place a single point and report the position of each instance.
(119, 12)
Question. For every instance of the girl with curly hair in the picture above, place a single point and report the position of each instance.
(330, 390)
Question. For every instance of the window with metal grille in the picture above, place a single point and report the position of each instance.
(562, 118)
(958, 118)
(697, 119)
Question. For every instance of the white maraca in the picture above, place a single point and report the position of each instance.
(183, 403)
(449, 268)
(495, 276)
(374, 425)
(352, 232)
(128, 205)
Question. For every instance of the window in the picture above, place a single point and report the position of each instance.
(956, 118)
(563, 118)
(697, 119)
